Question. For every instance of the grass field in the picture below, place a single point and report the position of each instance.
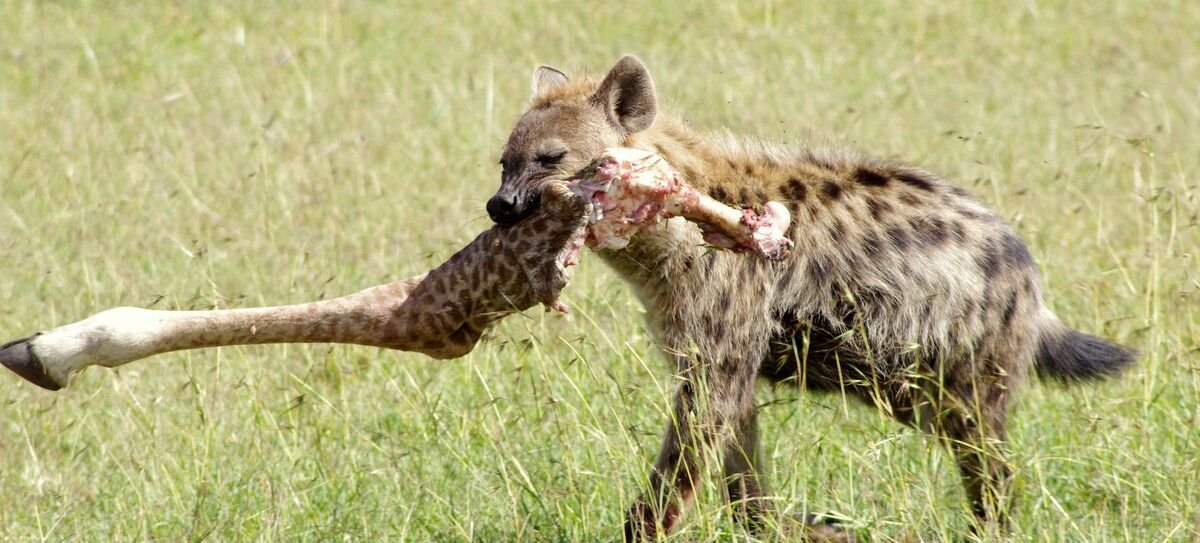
(256, 154)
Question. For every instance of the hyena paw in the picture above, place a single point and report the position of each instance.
(808, 527)
(823, 529)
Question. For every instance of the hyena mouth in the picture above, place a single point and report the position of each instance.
(509, 207)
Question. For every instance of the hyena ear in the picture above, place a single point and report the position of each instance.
(627, 95)
(546, 78)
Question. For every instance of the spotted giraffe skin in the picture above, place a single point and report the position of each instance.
(442, 313)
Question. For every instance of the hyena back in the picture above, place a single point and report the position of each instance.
(903, 291)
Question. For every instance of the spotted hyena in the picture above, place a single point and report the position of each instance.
(903, 291)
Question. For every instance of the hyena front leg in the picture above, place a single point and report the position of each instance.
(745, 486)
(714, 412)
(713, 399)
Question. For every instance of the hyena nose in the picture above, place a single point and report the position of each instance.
(502, 208)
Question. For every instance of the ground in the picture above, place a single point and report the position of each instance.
(252, 153)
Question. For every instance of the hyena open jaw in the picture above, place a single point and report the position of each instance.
(902, 291)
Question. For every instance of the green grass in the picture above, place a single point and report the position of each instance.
(253, 154)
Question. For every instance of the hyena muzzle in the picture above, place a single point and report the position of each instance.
(903, 291)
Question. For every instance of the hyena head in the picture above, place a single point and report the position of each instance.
(568, 124)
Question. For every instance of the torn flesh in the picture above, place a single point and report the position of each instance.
(631, 190)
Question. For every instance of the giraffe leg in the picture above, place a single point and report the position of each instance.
(384, 316)
(442, 313)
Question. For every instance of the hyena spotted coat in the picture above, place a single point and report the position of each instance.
(903, 291)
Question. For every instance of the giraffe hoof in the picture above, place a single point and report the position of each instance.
(18, 356)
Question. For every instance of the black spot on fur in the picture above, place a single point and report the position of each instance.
(988, 259)
(916, 224)
(851, 259)
(719, 194)
(940, 229)
(871, 245)
(818, 268)
(988, 306)
(831, 189)
(914, 180)
(743, 196)
(878, 208)
(1015, 252)
(910, 199)
(929, 231)
(899, 238)
(719, 332)
(729, 368)
(927, 311)
(687, 263)
(788, 275)
(796, 190)
(837, 230)
(957, 231)
(870, 178)
(1010, 310)
(969, 311)
(959, 191)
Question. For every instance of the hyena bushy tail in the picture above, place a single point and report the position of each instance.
(1069, 356)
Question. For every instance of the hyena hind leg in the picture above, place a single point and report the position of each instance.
(975, 434)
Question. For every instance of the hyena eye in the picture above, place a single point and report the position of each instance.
(551, 159)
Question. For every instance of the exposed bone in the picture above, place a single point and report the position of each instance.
(632, 189)
(443, 313)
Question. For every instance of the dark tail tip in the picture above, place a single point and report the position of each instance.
(18, 356)
(1069, 356)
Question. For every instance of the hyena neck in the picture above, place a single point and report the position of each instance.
(689, 151)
